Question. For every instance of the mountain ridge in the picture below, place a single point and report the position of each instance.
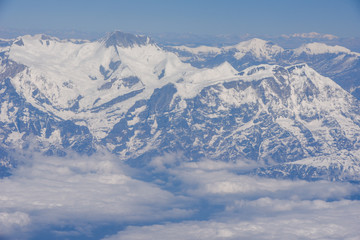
(122, 39)
(336, 62)
(139, 100)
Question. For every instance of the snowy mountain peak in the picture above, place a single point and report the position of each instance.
(321, 48)
(125, 40)
(259, 48)
(252, 43)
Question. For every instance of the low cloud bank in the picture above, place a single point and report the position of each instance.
(77, 190)
(182, 200)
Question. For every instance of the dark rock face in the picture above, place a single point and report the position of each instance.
(121, 39)
(5, 163)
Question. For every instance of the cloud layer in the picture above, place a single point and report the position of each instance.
(71, 197)
(77, 190)
(336, 221)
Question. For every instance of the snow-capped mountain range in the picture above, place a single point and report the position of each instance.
(124, 93)
(336, 62)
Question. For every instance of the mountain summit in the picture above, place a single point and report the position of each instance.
(125, 40)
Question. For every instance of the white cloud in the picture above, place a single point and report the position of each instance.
(12, 221)
(78, 190)
(338, 220)
(224, 180)
(257, 208)
(46, 193)
(311, 35)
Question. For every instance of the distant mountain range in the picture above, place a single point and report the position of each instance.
(295, 111)
(335, 62)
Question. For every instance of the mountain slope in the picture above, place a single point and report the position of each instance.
(269, 113)
(341, 166)
(127, 95)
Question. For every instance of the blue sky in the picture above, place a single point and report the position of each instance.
(338, 17)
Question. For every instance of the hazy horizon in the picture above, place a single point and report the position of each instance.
(340, 18)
